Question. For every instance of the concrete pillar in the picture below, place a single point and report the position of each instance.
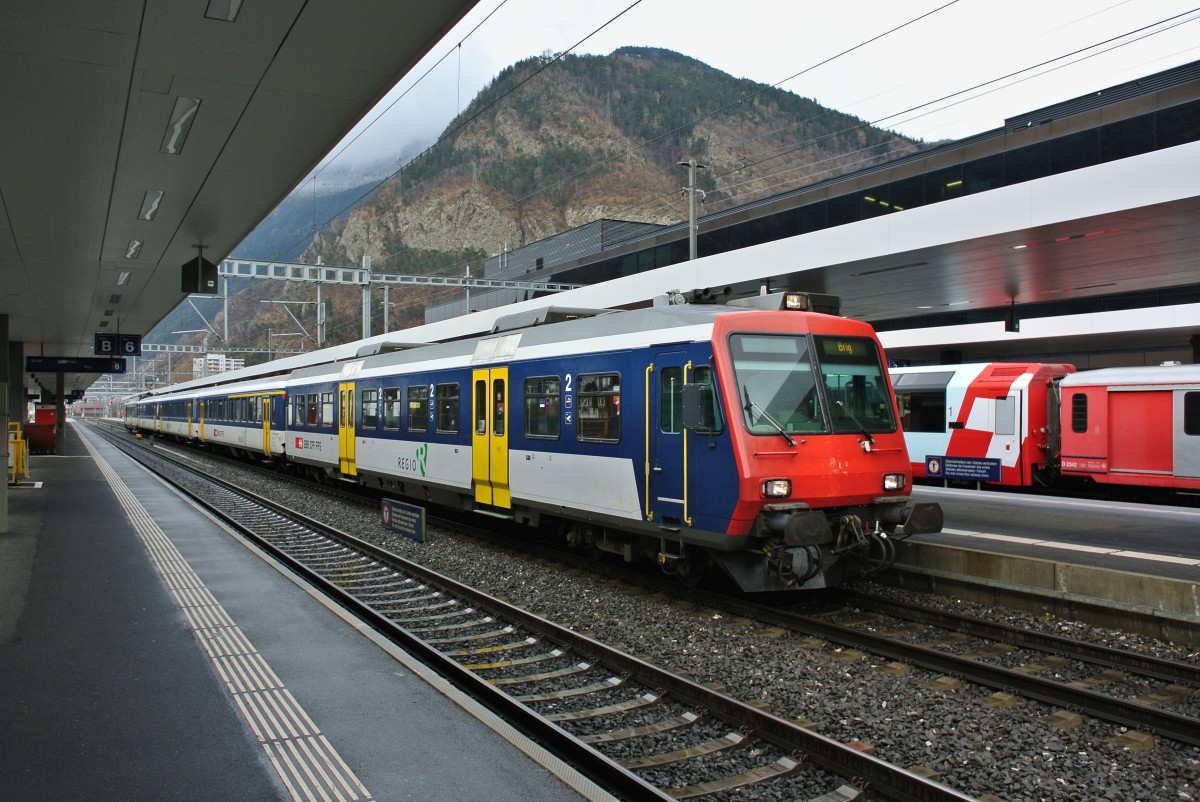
(17, 403)
(4, 382)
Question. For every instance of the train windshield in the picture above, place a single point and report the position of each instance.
(777, 383)
(855, 387)
(790, 384)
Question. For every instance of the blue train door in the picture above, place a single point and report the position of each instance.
(666, 446)
(489, 437)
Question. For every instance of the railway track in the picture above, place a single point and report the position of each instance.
(634, 728)
(1133, 690)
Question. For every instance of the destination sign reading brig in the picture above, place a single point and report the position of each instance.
(838, 347)
(403, 519)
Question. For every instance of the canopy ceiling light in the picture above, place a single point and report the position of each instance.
(180, 124)
(226, 10)
(150, 204)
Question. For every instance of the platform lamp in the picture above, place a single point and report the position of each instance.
(1011, 321)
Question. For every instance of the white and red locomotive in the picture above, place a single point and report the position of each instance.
(1022, 424)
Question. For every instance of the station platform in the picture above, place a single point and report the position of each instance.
(147, 652)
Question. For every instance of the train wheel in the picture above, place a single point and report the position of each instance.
(693, 568)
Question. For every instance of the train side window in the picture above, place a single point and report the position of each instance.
(599, 411)
(446, 397)
(392, 408)
(481, 406)
(710, 410)
(370, 409)
(1079, 413)
(1191, 414)
(543, 407)
(327, 409)
(922, 411)
(418, 408)
(670, 397)
(1006, 415)
(498, 402)
(921, 399)
(301, 410)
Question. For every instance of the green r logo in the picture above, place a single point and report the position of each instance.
(422, 458)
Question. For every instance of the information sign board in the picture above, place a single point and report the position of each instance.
(118, 345)
(403, 519)
(73, 364)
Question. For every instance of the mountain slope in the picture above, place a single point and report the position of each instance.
(547, 146)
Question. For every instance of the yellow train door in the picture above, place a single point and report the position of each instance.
(346, 429)
(489, 437)
(266, 422)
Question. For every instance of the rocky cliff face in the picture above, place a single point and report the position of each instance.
(595, 137)
(546, 147)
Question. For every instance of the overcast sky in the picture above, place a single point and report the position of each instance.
(902, 55)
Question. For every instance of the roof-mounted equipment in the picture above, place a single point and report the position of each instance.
(792, 301)
(544, 317)
(374, 349)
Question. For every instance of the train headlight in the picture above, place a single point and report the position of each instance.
(798, 301)
(893, 481)
(777, 488)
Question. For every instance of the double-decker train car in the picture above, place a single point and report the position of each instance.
(992, 422)
(764, 440)
(1133, 426)
(1027, 424)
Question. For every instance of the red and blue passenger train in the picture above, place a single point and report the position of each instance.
(759, 436)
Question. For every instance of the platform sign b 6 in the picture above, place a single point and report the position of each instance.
(118, 345)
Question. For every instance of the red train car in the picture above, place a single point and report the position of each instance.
(1133, 426)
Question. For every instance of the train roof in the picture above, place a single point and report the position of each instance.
(1136, 376)
(579, 335)
(586, 334)
(928, 377)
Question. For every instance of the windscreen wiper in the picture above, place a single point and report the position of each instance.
(750, 406)
(867, 438)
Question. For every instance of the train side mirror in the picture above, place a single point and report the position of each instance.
(699, 408)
